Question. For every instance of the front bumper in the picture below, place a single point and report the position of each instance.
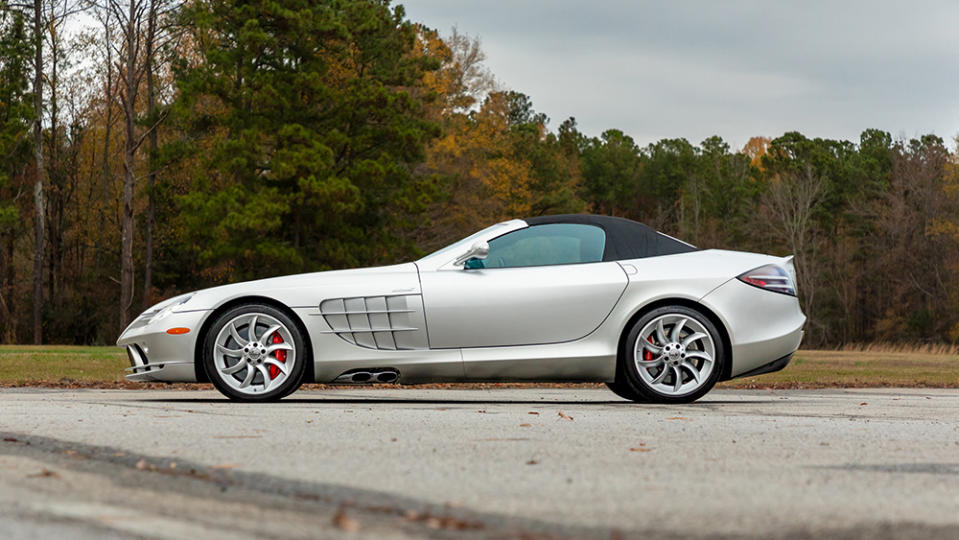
(156, 355)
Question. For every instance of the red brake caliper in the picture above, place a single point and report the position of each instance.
(280, 355)
(647, 356)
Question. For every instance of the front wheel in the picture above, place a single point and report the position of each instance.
(255, 352)
(624, 391)
(674, 354)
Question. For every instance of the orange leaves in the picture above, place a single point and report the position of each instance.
(491, 179)
(756, 148)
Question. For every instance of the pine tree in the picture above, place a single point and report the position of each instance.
(16, 116)
(315, 130)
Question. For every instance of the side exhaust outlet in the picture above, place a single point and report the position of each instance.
(368, 376)
(386, 376)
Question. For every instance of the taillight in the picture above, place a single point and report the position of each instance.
(770, 277)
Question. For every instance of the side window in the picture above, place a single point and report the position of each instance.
(545, 245)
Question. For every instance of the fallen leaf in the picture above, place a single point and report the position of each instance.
(141, 465)
(44, 473)
(173, 464)
(482, 411)
(345, 522)
(679, 418)
(525, 425)
(532, 462)
(640, 449)
(863, 403)
(393, 439)
(10, 439)
(74, 454)
(533, 412)
(564, 416)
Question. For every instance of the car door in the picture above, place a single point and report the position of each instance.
(541, 284)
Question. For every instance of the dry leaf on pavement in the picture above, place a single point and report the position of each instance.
(45, 473)
(345, 522)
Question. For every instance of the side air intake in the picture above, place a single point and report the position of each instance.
(392, 323)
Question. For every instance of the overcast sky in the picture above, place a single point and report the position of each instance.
(693, 69)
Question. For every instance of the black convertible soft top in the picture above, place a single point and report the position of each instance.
(625, 238)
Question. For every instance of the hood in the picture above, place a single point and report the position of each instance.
(308, 290)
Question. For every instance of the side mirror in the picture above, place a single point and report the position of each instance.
(479, 250)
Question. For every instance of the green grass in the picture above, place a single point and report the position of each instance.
(103, 366)
(27, 364)
(851, 369)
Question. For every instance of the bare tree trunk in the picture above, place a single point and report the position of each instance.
(152, 145)
(127, 223)
(108, 104)
(6, 292)
(52, 203)
(38, 194)
(791, 201)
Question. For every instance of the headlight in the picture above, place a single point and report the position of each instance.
(163, 309)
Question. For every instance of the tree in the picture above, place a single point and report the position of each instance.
(611, 168)
(721, 193)
(137, 21)
(39, 201)
(316, 123)
(16, 116)
(755, 149)
(160, 31)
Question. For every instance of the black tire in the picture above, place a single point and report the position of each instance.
(623, 391)
(630, 383)
(300, 359)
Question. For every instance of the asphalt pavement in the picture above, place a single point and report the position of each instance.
(521, 463)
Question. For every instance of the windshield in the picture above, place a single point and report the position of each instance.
(456, 249)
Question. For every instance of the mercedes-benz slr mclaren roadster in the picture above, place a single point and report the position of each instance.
(555, 298)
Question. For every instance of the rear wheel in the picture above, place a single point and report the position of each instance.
(255, 352)
(674, 354)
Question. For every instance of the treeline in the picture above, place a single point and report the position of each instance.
(169, 146)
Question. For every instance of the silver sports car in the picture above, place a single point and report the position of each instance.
(553, 298)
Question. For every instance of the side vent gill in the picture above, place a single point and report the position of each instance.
(392, 323)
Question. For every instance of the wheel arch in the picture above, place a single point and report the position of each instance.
(201, 375)
(685, 302)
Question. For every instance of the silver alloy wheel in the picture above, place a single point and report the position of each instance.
(681, 354)
(247, 347)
